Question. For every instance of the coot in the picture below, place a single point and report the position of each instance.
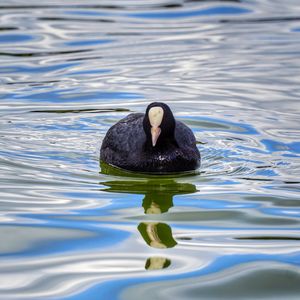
(153, 142)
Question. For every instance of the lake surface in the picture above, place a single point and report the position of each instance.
(73, 230)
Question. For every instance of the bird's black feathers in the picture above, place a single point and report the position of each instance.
(127, 145)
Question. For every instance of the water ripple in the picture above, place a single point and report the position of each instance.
(71, 229)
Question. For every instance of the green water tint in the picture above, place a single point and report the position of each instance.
(158, 190)
(158, 194)
(112, 170)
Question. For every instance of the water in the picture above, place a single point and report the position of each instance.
(71, 230)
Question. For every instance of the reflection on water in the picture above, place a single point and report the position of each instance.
(157, 235)
(157, 263)
(158, 198)
(69, 70)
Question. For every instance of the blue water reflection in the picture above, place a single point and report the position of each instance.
(219, 10)
(15, 38)
(94, 237)
(88, 42)
(112, 290)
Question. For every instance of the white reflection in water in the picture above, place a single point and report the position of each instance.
(252, 279)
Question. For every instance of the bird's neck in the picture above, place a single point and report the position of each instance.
(161, 146)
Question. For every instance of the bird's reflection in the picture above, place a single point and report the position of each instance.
(157, 263)
(157, 235)
(158, 194)
(157, 204)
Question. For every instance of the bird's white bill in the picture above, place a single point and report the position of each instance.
(155, 115)
(155, 132)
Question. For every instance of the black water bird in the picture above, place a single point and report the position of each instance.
(153, 142)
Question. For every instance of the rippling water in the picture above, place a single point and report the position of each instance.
(72, 230)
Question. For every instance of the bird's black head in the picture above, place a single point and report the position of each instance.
(159, 125)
